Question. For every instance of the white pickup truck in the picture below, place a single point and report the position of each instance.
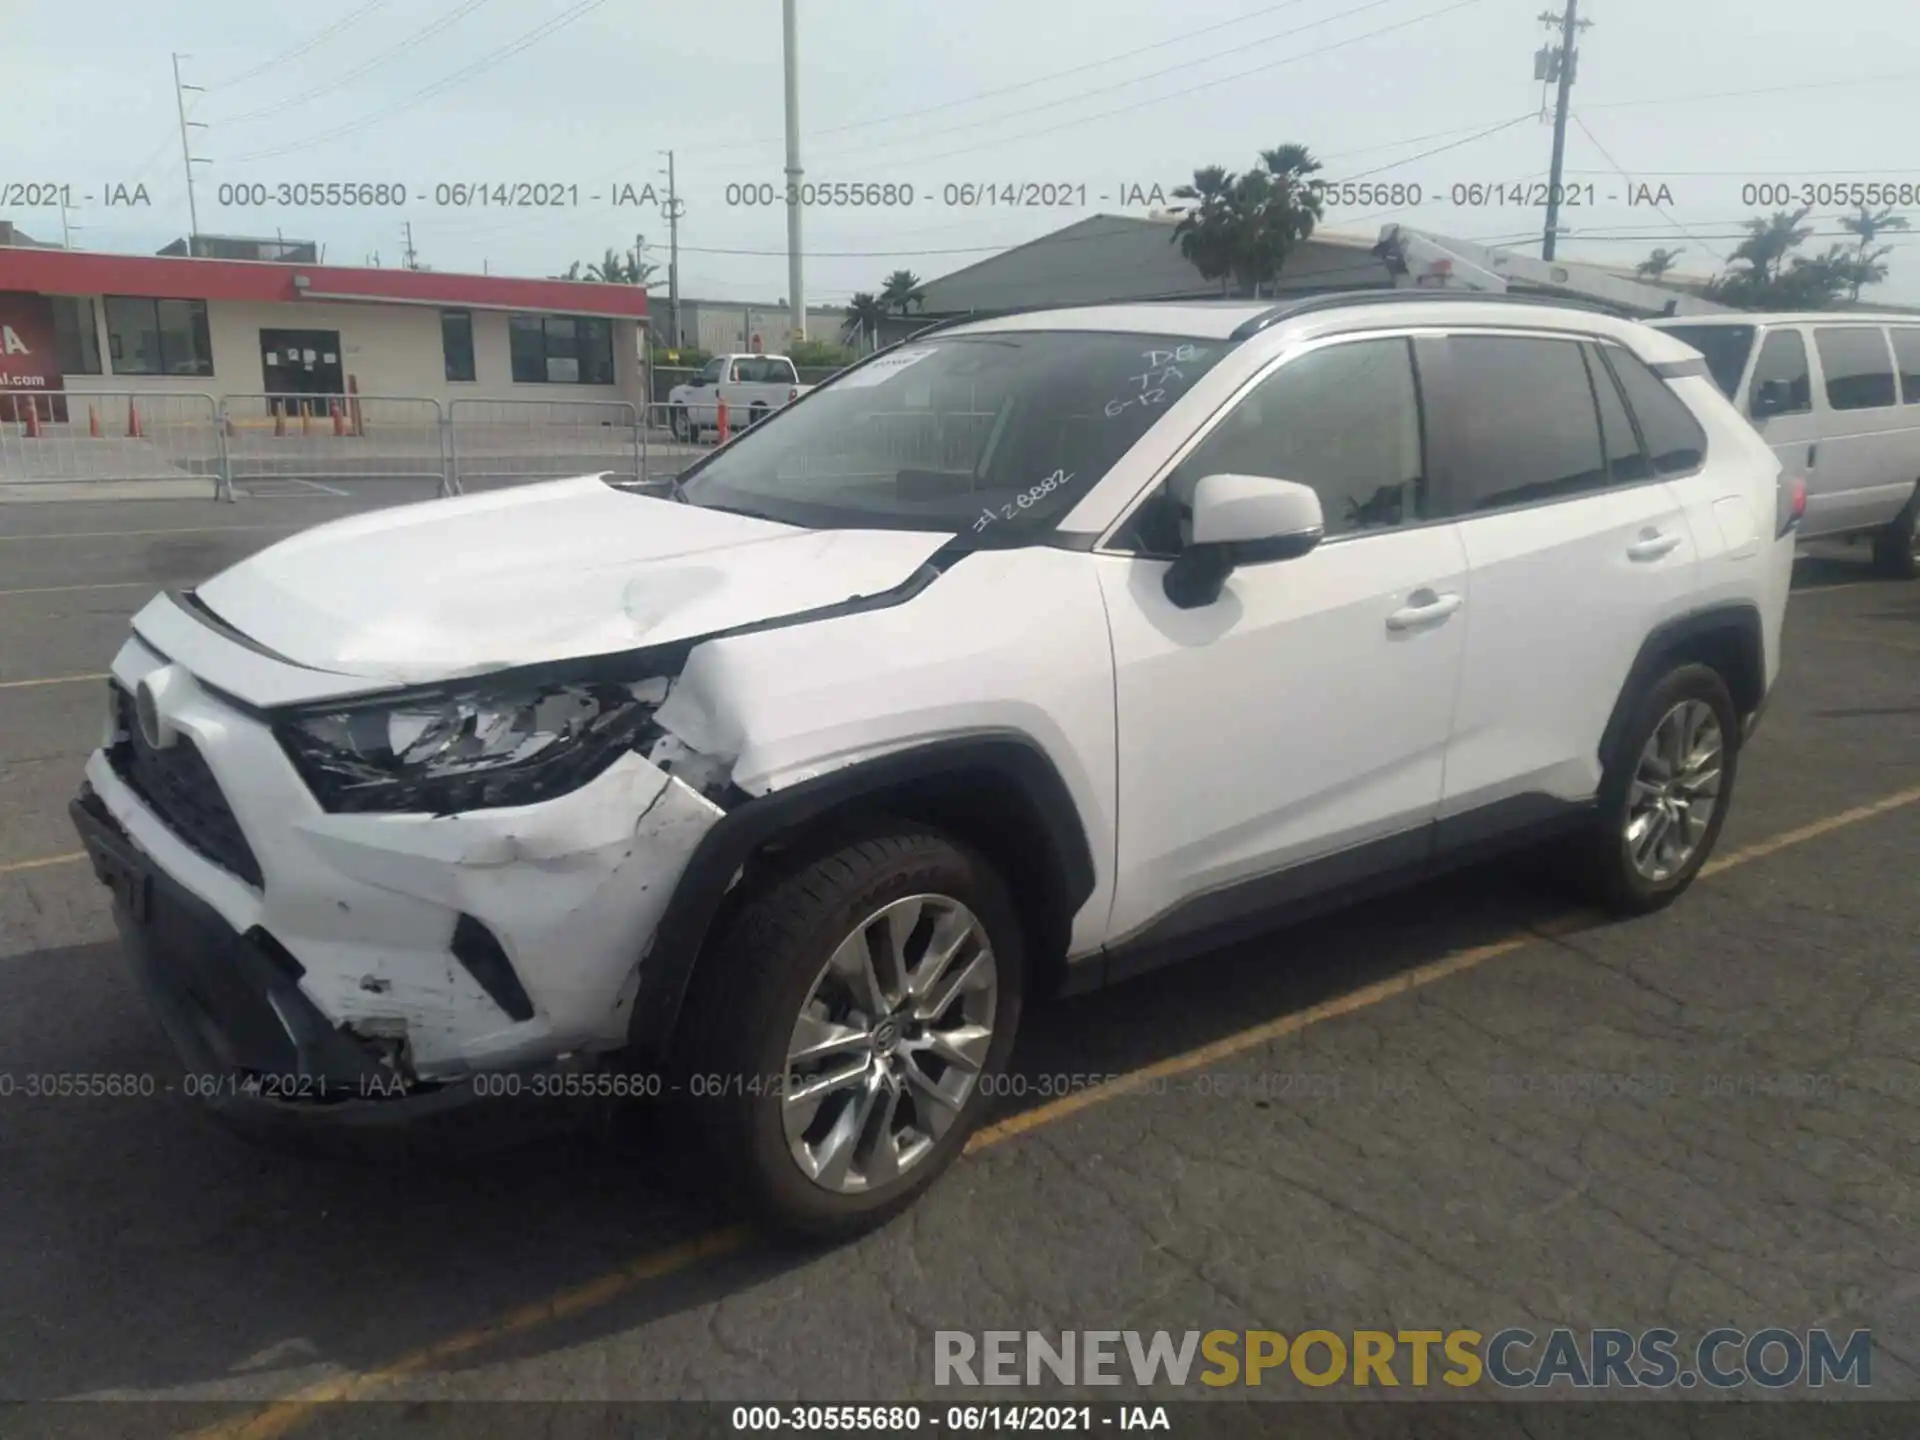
(754, 386)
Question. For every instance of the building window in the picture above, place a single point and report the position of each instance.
(456, 343)
(76, 339)
(560, 349)
(158, 337)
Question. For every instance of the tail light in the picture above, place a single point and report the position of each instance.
(1792, 503)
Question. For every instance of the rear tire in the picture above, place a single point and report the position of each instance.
(800, 966)
(1676, 758)
(677, 422)
(1896, 549)
(755, 414)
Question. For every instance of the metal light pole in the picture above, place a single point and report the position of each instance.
(796, 297)
(186, 151)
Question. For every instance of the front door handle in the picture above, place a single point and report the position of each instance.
(1652, 545)
(1423, 607)
(1813, 453)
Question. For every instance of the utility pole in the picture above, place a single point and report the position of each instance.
(674, 213)
(796, 297)
(186, 151)
(409, 257)
(1550, 64)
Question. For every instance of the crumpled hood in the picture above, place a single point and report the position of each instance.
(554, 571)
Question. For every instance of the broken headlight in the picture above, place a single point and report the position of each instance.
(467, 749)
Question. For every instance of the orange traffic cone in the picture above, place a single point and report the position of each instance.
(133, 421)
(93, 422)
(339, 417)
(721, 423)
(33, 418)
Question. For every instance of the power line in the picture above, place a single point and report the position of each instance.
(1763, 90)
(1658, 209)
(426, 32)
(1441, 149)
(303, 47)
(1055, 104)
(439, 87)
(1020, 85)
(1173, 94)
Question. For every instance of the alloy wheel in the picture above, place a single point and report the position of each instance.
(889, 1043)
(1675, 791)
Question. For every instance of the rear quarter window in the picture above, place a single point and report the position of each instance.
(1675, 441)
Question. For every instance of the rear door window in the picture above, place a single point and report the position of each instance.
(1858, 366)
(1781, 375)
(1675, 442)
(1523, 420)
(1906, 351)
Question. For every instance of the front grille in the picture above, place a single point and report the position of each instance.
(180, 789)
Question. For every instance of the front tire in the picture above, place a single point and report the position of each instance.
(849, 1027)
(1664, 794)
(1896, 549)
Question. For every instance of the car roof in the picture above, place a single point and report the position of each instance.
(1309, 316)
(1792, 317)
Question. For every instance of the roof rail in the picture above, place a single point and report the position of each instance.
(1348, 299)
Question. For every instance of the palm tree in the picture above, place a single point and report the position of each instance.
(864, 314)
(1658, 263)
(901, 291)
(1241, 228)
(614, 269)
(1287, 209)
(1869, 226)
(1206, 227)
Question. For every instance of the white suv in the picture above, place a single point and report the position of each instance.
(1034, 652)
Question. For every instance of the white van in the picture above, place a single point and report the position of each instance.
(1837, 396)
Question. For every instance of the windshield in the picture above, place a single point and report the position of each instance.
(989, 436)
(1725, 347)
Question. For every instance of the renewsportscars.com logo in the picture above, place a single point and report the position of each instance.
(1513, 1359)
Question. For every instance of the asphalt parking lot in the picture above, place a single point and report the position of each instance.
(1469, 1107)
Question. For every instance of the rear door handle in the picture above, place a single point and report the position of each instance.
(1813, 452)
(1652, 545)
(1423, 608)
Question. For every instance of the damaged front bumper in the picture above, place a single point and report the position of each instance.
(376, 958)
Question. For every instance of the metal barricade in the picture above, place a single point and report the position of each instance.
(168, 443)
(280, 445)
(510, 442)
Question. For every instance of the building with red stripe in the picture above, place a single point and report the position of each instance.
(92, 322)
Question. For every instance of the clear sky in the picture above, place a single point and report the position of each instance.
(588, 94)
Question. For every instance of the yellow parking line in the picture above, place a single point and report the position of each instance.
(50, 680)
(43, 862)
(64, 589)
(281, 1416)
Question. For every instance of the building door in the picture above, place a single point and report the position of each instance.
(301, 364)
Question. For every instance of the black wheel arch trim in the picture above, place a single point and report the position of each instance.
(724, 852)
(1738, 618)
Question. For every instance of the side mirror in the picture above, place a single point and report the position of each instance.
(1242, 520)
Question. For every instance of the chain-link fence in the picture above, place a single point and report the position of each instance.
(169, 444)
(302, 444)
